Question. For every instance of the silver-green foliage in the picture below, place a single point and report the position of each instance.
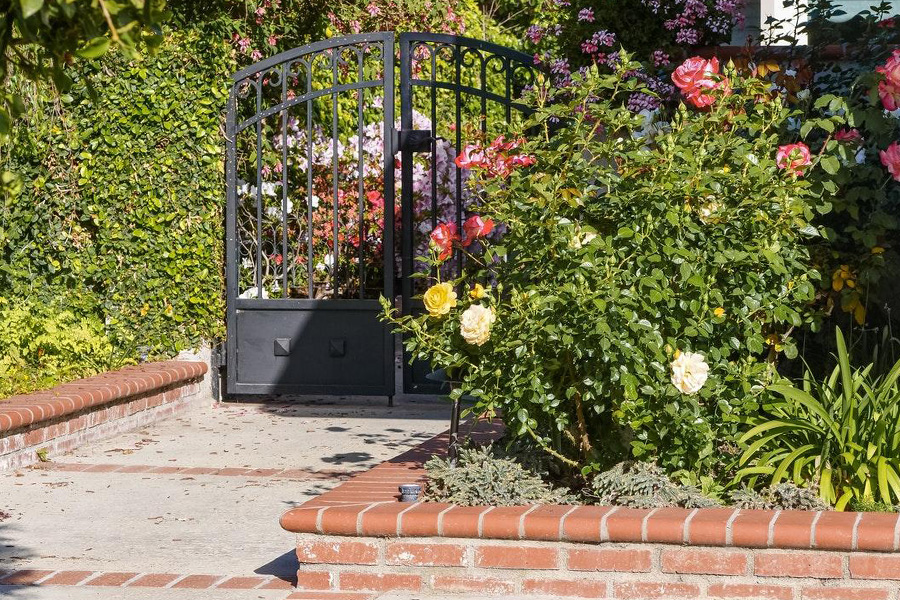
(786, 496)
(644, 485)
(484, 476)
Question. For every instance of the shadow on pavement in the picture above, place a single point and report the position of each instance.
(284, 567)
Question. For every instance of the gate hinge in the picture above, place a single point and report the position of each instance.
(412, 140)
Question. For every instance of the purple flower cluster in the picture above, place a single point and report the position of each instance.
(586, 15)
(592, 45)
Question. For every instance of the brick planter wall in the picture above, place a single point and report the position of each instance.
(359, 538)
(69, 415)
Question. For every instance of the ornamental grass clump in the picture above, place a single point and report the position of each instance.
(649, 278)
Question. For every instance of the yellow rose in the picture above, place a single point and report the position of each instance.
(475, 324)
(719, 312)
(477, 292)
(439, 299)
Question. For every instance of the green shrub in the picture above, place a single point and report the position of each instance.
(643, 485)
(842, 434)
(485, 476)
(627, 254)
(42, 344)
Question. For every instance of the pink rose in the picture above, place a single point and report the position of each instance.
(890, 158)
(849, 136)
(891, 69)
(696, 77)
(889, 94)
(793, 158)
(475, 228)
(471, 156)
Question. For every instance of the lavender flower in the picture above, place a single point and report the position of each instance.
(586, 15)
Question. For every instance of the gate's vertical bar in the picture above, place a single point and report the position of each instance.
(388, 239)
(484, 88)
(309, 181)
(434, 133)
(232, 261)
(406, 171)
(360, 131)
(335, 283)
(285, 71)
(507, 71)
(259, 288)
(457, 60)
(406, 207)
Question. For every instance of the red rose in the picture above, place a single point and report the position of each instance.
(696, 77)
(793, 157)
(475, 228)
(442, 239)
(471, 156)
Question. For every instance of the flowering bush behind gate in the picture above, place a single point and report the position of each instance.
(648, 284)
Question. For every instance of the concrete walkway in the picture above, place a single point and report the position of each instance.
(195, 495)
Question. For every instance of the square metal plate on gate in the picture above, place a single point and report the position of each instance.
(337, 347)
(282, 346)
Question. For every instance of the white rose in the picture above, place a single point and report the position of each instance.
(689, 372)
(475, 324)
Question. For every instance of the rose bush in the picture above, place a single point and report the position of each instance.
(645, 286)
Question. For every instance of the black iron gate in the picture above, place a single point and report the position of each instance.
(310, 172)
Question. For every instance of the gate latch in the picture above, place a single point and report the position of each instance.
(413, 140)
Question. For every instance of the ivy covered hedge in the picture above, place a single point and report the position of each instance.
(120, 210)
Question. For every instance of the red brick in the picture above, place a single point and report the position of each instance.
(279, 584)
(425, 555)
(462, 521)
(240, 583)
(583, 524)
(750, 529)
(750, 591)
(422, 519)
(154, 580)
(381, 519)
(704, 562)
(834, 530)
(543, 523)
(516, 557)
(609, 559)
(300, 520)
(68, 578)
(875, 532)
(331, 596)
(337, 552)
(708, 527)
(502, 523)
(821, 565)
(873, 566)
(341, 520)
(102, 468)
(481, 585)
(666, 526)
(793, 529)
(197, 582)
(565, 588)
(24, 577)
(111, 579)
(648, 590)
(313, 580)
(379, 582)
(844, 593)
(626, 524)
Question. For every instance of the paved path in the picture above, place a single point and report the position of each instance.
(192, 502)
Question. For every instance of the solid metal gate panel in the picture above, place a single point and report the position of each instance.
(310, 220)
(476, 87)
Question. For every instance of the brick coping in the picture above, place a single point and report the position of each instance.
(367, 505)
(21, 411)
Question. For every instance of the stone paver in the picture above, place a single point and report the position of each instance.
(116, 507)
